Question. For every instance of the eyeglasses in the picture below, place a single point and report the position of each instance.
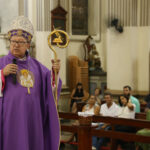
(20, 43)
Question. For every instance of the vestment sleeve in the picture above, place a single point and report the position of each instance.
(51, 121)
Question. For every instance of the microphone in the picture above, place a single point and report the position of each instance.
(14, 78)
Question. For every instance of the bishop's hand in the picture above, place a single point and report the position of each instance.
(56, 65)
(10, 69)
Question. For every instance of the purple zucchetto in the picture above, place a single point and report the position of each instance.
(21, 26)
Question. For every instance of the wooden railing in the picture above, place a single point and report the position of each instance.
(85, 131)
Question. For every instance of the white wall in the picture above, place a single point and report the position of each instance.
(75, 47)
(8, 10)
(143, 58)
(44, 54)
(128, 58)
(3, 46)
(124, 56)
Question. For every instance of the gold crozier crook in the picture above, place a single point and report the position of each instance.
(58, 40)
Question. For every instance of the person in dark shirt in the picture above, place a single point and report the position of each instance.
(147, 100)
(78, 95)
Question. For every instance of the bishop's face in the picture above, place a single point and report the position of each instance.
(18, 46)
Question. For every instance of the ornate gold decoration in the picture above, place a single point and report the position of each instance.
(58, 40)
(26, 79)
(19, 32)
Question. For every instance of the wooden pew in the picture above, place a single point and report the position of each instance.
(140, 116)
(129, 137)
(85, 131)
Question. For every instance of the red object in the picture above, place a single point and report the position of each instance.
(102, 148)
(105, 148)
(53, 77)
(3, 80)
(108, 148)
(72, 143)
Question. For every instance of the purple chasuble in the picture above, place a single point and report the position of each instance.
(28, 121)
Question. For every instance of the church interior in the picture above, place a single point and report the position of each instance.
(108, 48)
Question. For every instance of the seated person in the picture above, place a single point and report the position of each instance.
(110, 107)
(127, 110)
(144, 132)
(147, 100)
(128, 92)
(98, 96)
(107, 109)
(92, 108)
(78, 95)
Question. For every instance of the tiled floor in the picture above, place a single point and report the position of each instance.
(68, 147)
(65, 136)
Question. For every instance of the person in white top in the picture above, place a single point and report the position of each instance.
(91, 106)
(127, 110)
(110, 109)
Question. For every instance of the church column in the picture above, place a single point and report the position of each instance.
(21, 7)
(40, 15)
(93, 17)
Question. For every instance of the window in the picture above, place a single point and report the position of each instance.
(79, 17)
(84, 19)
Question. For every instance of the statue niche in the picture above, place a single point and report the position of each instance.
(92, 55)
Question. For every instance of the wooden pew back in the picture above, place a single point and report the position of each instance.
(140, 116)
(85, 131)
